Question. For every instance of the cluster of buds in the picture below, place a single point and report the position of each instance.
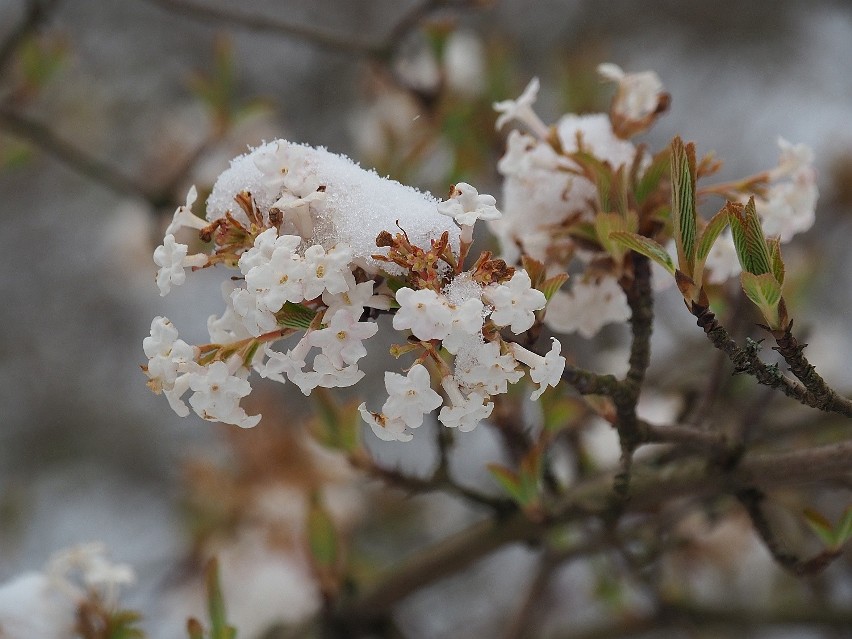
(311, 236)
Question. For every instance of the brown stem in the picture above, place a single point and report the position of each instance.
(793, 353)
(745, 360)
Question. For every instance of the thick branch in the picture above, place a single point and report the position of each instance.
(650, 487)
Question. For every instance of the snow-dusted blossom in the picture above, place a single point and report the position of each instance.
(521, 110)
(587, 307)
(172, 258)
(385, 428)
(544, 371)
(217, 395)
(466, 412)
(341, 340)
(410, 397)
(354, 299)
(515, 302)
(184, 218)
(485, 368)
(466, 325)
(638, 95)
(466, 206)
(425, 312)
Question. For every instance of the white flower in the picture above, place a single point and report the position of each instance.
(522, 111)
(330, 375)
(465, 326)
(88, 563)
(253, 315)
(638, 94)
(169, 361)
(184, 218)
(485, 368)
(515, 302)
(795, 158)
(341, 340)
(172, 259)
(303, 194)
(587, 307)
(229, 327)
(280, 279)
(386, 429)
(466, 205)
(272, 163)
(326, 271)
(354, 299)
(292, 363)
(544, 371)
(464, 63)
(217, 396)
(425, 312)
(410, 396)
(466, 411)
(264, 246)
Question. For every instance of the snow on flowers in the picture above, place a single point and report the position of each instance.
(321, 249)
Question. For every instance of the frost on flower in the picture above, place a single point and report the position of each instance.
(426, 313)
(587, 307)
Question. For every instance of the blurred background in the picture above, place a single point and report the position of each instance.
(110, 111)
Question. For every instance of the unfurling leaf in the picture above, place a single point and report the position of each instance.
(775, 255)
(684, 220)
(295, 316)
(652, 176)
(645, 246)
(752, 249)
(552, 284)
(765, 291)
(608, 223)
(833, 536)
(706, 240)
(534, 269)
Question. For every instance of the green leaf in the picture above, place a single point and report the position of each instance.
(708, 237)
(645, 246)
(552, 284)
(602, 176)
(608, 223)
(774, 245)
(322, 535)
(509, 481)
(844, 527)
(295, 316)
(684, 218)
(765, 291)
(650, 180)
(752, 249)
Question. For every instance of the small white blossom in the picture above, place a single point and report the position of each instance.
(544, 371)
(280, 280)
(303, 194)
(466, 205)
(466, 411)
(795, 158)
(465, 326)
(341, 341)
(330, 375)
(522, 111)
(171, 257)
(184, 218)
(264, 246)
(638, 94)
(425, 312)
(515, 302)
(326, 271)
(587, 307)
(88, 563)
(487, 369)
(169, 361)
(354, 299)
(229, 326)
(217, 396)
(386, 429)
(292, 363)
(464, 63)
(272, 163)
(410, 396)
(253, 315)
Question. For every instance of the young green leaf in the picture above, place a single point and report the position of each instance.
(706, 240)
(295, 316)
(775, 256)
(508, 480)
(322, 535)
(684, 220)
(652, 176)
(645, 246)
(552, 284)
(752, 249)
(765, 291)
(219, 628)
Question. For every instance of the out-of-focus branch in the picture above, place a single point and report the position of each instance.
(334, 42)
(37, 11)
(650, 487)
(46, 140)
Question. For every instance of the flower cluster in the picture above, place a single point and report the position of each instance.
(310, 234)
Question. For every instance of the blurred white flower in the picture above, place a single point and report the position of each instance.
(521, 110)
(587, 307)
(638, 94)
(464, 63)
